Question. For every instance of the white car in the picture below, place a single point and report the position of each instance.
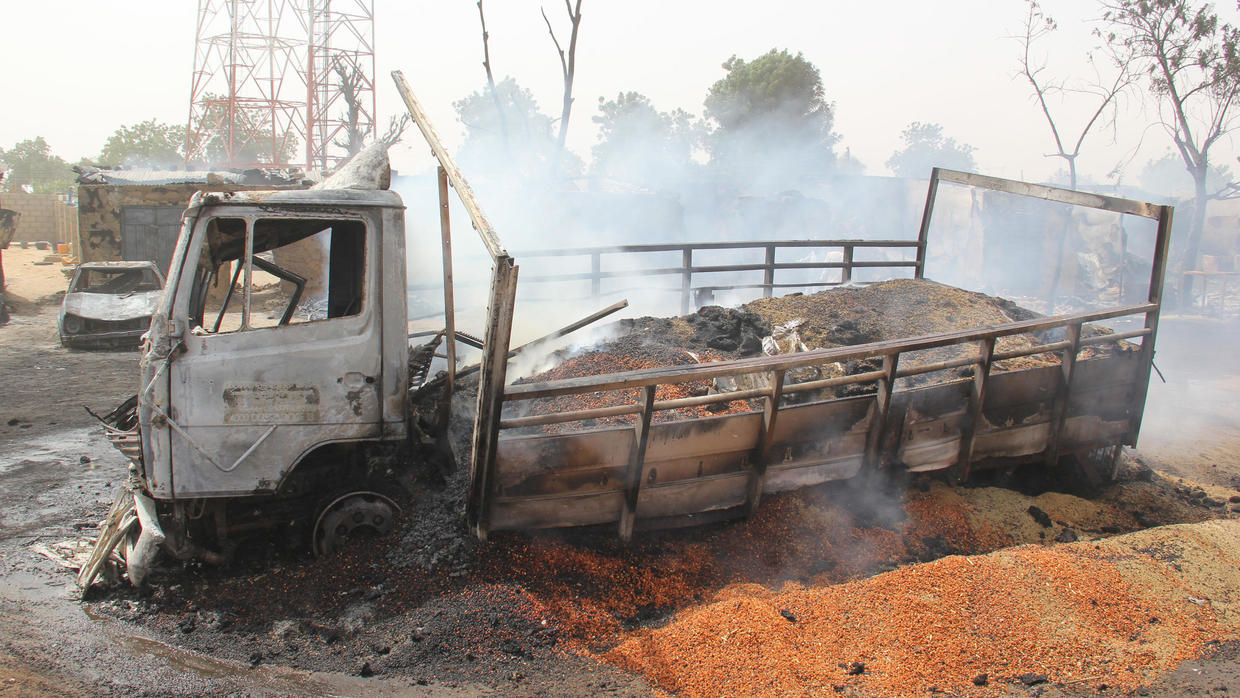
(110, 304)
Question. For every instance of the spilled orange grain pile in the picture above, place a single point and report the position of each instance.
(1114, 612)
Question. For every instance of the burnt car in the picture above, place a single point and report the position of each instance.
(109, 304)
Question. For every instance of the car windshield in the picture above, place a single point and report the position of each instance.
(116, 281)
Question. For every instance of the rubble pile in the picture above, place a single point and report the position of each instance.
(1088, 615)
(843, 316)
(630, 353)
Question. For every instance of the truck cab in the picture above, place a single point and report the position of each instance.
(274, 376)
(244, 377)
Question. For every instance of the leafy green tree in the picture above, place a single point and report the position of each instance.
(925, 147)
(1192, 62)
(642, 145)
(531, 147)
(773, 118)
(31, 162)
(145, 144)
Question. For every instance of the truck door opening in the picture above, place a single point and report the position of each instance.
(273, 272)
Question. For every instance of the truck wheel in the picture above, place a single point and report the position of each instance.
(353, 515)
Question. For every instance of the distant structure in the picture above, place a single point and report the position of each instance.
(281, 83)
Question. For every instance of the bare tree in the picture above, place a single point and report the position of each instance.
(1193, 65)
(396, 129)
(350, 91)
(1104, 93)
(568, 63)
(486, 65)
(355, 134)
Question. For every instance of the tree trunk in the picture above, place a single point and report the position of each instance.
(4, 309)
(1196, 227)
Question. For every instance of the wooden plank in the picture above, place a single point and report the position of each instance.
(490, 394)
(449, 307)
(481, 224)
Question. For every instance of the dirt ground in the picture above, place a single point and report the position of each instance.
(581, 614)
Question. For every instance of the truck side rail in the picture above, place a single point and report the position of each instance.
(630, 264)
(877, 424)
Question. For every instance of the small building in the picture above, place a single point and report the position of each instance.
(50, 218)
(135, 214)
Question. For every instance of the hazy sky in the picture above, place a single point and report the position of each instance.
(75, 70)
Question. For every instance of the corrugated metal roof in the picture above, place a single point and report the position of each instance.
(153, 177)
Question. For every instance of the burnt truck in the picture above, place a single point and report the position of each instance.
(256, 409)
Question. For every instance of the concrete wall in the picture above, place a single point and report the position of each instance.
(99, 214)
(45, 217)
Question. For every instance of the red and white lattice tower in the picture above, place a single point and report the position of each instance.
(281, 83)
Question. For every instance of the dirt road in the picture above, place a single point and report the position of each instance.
(540, 614)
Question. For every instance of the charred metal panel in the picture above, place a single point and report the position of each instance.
(1104, 386)
(250, 404)
(395, 363)
(559, 463)
(931, 420)
(693, 496)
(149, 233)
(1016, 397)
(700, 447)
(544, 512)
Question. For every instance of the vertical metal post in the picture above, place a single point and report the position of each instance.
(249, 273)
(1141, 383)
(449, 304)
(1063, 395)
(768, 273)
(878, 415)
(596, 267)
(762, 457)
(686, 281)
(924, 233)
(977, 397)
(637, 462)
(846, 271)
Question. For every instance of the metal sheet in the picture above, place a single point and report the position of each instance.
(149, 233)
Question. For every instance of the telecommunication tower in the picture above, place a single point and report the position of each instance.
(281, 83)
